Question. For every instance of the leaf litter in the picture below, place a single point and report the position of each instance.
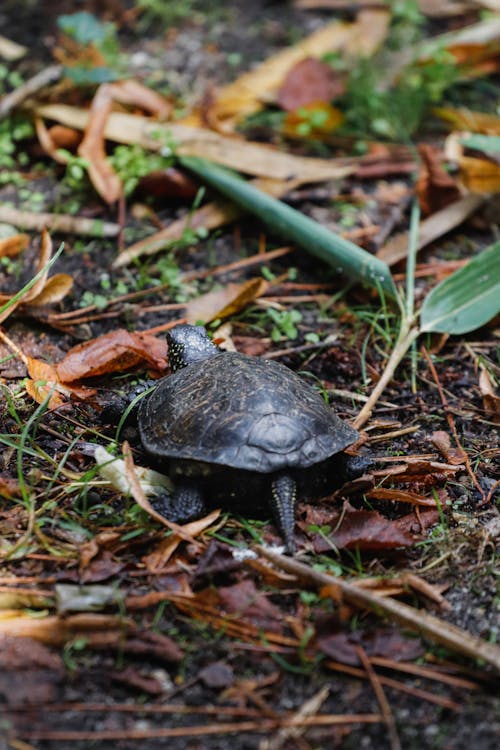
(163, 589)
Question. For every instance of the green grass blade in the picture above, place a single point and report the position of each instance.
(468, 298)
(346, 257)
(32, 281)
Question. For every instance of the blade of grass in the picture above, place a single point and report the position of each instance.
(15, 299)
(343, 255)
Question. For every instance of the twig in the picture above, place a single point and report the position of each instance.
(80, 225)
(381, 698)
(30, 87)
(439, 631)
(260, 726)
(451, 422)
(408, 333)
(423, 695)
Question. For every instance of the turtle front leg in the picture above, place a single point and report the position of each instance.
(185, 503)
(283, 498)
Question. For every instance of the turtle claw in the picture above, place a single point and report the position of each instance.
(283, 497)
(184, 504)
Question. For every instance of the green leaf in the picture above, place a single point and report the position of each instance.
(468, 298)
(83, 27)
(346, 257)
(488, 144)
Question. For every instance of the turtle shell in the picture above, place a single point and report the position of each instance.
(242, 412)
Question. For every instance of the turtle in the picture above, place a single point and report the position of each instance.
(226, 426)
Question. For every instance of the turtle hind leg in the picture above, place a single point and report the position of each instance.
(185, 503)
(283, 498)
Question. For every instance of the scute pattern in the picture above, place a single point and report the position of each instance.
(243, 412)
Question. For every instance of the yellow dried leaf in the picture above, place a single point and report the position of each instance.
(56, 288)
(12, 246)
(225, 302)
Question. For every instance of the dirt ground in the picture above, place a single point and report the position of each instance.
(214, 670)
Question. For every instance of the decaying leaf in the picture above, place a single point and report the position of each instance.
(104, 178)
(29, 671)
(224, 302)
(491, 400)
(113, 352)
(385, 642)
(44, 382)
(13, 245)
(308, 82)
(369, 530)
(315, 121)
(245, 601)
(41, 290)
(435, 186)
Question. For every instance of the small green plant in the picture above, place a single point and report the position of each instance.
(13, 131)
(133, 162)
(164, 13)
(284, 324)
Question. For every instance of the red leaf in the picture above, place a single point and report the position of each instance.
(309, 81)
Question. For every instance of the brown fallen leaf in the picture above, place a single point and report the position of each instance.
(480, 175)
(161, 554)
(401, 496)
(55, 290)
(491, 401)
(468, 120)
(244, 600)
(101, 173)
(385, 642)
(12, 246)
(435, 187)
(252, 158)
(308, 81)
(112, 352)
(168, 183)
(29, 672)
(224, 302)
(9, 487)
(442, 441)
(369, 530)
(316, 120)
(44, 383)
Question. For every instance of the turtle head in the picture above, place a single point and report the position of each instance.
(187, 344)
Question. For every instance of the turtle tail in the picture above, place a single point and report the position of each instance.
(283, 497)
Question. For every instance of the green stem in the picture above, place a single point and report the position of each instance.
(408, 333)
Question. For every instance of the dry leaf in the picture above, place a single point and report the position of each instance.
(224, 302)
(435, 187)
(315, 120)
(55, 289)
(441, 440)
(44, 382)
(480, 175)
(112, 352)
(252, 158)
(136, 94)
(309, 81)
(491, 401)
(465, 119)
(103, 177)
(43, 259)
(13, 245)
